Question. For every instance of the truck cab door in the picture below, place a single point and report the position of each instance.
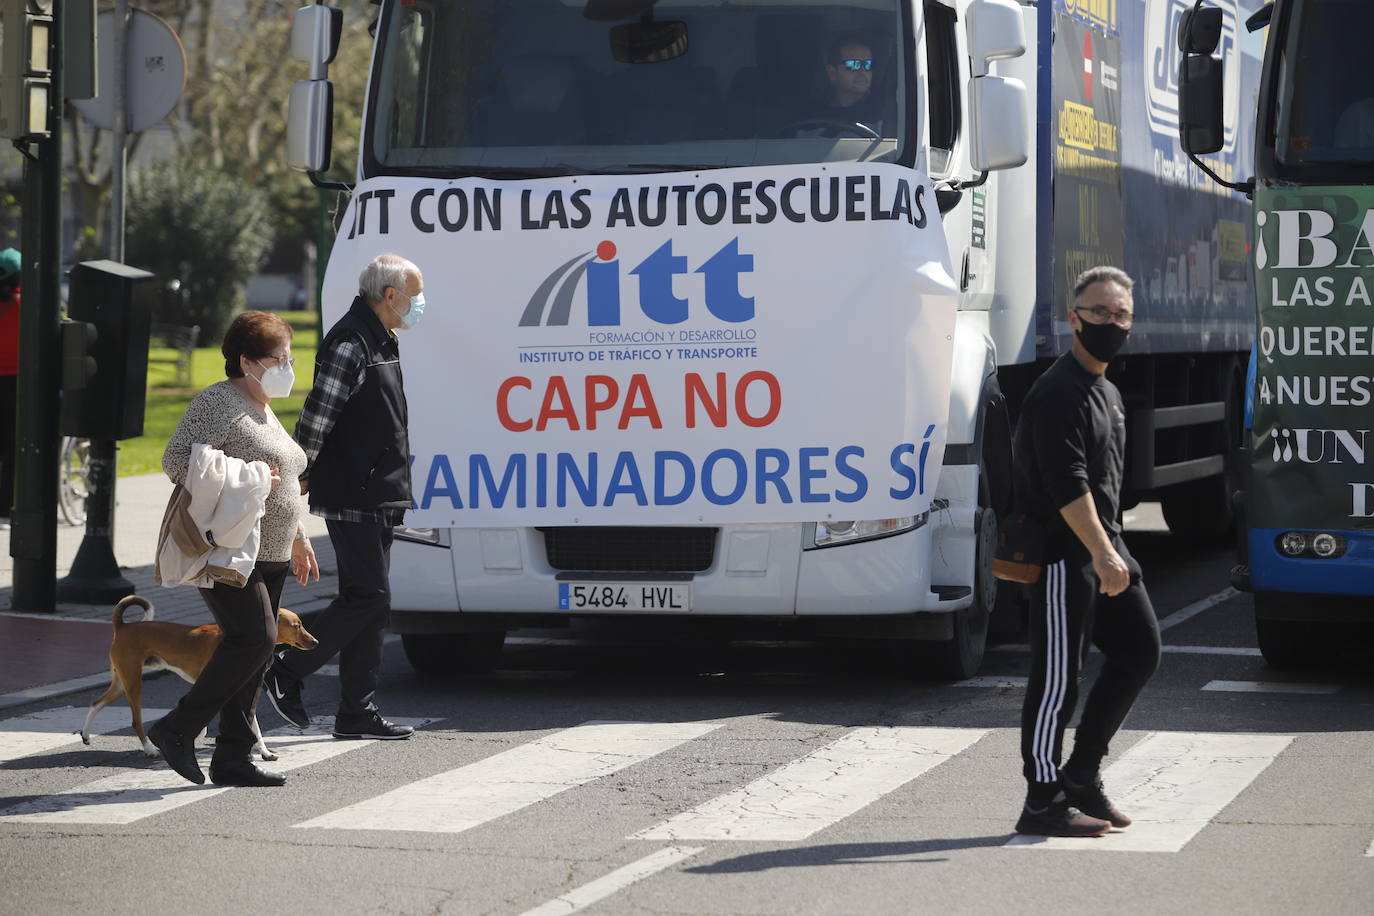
(962, 38)
(945, 54)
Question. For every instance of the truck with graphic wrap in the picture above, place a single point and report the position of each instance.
(732, 301)
(1307, 544)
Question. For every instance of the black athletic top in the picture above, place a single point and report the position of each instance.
(1070, 439)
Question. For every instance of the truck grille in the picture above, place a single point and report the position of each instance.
(607, 549)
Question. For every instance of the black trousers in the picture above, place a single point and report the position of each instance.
(231, 681)
(1066, 610)
(354, 624)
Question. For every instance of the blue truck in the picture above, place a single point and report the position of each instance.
(1307, 542)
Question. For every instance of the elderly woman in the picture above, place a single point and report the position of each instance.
(235, 416)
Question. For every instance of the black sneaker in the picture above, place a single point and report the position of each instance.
(371, 725)
(1057, 819)
(284, 693)
(1092, 800)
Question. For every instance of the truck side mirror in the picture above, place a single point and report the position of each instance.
(1000, 136)
(1200, 82)
(310, 126)
(1199, 31)
(1200, 128)
(998, 112)
(315, 33)
(995, 32)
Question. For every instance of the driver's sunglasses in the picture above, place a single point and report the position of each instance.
(857, 64)
(1119, 317)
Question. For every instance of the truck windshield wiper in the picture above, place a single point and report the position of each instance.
(1316, 162)
(520, 171)
(670, 166)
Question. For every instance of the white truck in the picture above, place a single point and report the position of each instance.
(1045, 134)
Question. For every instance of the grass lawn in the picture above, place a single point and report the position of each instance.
(166, 403)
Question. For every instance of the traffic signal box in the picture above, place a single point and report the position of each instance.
(26, 69)
(105, 350)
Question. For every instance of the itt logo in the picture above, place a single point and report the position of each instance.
(552, 302)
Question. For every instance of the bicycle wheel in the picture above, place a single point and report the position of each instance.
(74, 480)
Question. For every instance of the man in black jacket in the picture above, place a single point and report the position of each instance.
(353, 431)
(1069, 450)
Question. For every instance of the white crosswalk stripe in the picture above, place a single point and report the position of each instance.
(830, 783)
(138, 794)
(1270, 687)
(471, 795)
(53, 728)
(621, 878)
(1172, 785)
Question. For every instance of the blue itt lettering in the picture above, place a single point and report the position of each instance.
(656, 274)
(722, 272)
(603, 287)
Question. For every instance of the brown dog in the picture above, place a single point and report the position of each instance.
(151, 645)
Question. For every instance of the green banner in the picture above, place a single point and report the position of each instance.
(1314, 386)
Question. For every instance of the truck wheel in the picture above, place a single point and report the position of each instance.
(1287, 643)
(960, 657)
(1284, 643)
(453, 653)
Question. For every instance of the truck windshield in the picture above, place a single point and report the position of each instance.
(1325, 106)
(565, 86)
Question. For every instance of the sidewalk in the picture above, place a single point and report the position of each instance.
(47, 652)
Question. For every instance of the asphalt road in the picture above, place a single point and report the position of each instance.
(756, 777)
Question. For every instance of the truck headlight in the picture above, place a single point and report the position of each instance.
(1327, 545)
(1322, 544)
(834, 533)
(437, 537)
(1293, 543)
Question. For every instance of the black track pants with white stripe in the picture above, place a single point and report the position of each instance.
(1066, 609)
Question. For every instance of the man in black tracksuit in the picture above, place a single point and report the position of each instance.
(352, 429)
(1069, 450)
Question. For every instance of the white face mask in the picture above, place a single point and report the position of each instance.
(276, 382)
(411, 316)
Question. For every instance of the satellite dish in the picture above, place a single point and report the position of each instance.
(155, 69)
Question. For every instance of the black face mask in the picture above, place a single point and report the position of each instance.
(1102, 341)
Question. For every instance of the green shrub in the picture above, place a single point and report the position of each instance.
(190, 223)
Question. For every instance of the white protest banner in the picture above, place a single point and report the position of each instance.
(735, 345)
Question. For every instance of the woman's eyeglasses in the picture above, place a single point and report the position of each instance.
(282, 360)
(854, 63)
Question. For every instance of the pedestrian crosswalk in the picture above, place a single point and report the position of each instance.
(1174, 784)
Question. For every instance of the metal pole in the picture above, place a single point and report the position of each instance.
(119, 86)
(323, 243)
(95, 574)
(33, 544)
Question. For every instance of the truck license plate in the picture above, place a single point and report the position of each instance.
(621, 596)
